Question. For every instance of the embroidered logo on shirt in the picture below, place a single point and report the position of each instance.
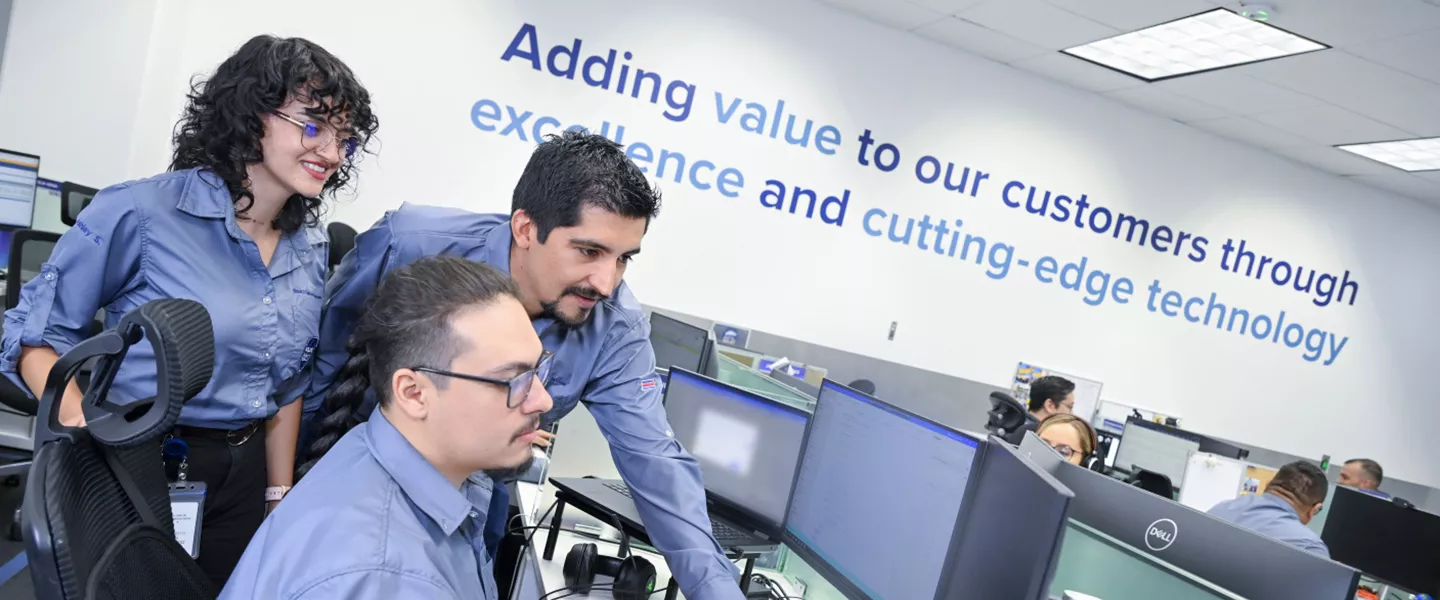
(647, 384)
(309, 293)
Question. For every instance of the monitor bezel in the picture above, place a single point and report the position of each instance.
(38, 163)
(705, 335)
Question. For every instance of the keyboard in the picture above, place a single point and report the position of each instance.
(718, 529)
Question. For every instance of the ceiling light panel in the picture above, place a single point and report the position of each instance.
(1204, 42)
(1409, 155)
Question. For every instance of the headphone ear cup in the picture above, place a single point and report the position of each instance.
(635, 579)
(580, 567)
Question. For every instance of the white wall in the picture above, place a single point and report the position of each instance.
(427, 66)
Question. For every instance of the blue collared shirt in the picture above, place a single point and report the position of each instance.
(1271, 516)
(607, 363)
(372, 520)
(174, 236)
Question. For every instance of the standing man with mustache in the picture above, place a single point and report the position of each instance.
(578, 215)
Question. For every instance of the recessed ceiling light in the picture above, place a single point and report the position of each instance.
(1421, 154)
(1210, 40)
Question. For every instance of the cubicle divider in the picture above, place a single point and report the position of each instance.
(1230, 557)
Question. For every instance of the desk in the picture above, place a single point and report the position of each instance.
(539, 577)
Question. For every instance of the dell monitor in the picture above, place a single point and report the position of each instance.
(1395, 544)
(878, 496)
(748, 446)
(1154, 450)
(677, 344)
(19, 175)
(1014, 525)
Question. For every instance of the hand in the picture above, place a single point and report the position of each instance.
(544, 438)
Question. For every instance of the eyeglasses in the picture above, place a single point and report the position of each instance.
(316, 138)
(519, 386)
(1064, 451)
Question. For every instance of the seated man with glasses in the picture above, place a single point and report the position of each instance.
(392, 509)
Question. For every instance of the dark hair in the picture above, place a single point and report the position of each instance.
(1049, 387)
(406, 323)
(1370, 468)
(221, 126)
(575, 169)
(1302, 480)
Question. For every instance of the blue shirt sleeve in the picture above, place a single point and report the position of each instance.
(93, 263)
(664, 480)
(354, 280)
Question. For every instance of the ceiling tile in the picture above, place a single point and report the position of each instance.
(1344, 23)
(976, 39)
(1233, 91)
(1166, 104)
(1413, 54)
(1039, 23)
(1331, 125)
(1333, 160)
(1085, 75)
(1366, 87)
(1404, 184)
(948, 7)
(1251, 132)
(900, 15)
(1129, 15)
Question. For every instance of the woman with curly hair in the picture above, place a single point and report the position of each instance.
(234, 225)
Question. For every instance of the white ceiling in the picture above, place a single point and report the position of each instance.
(1379, 81)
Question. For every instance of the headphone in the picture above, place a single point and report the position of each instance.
(1093, 460)
(634, 576)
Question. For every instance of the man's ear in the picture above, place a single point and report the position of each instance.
(408, 394)
(523, 229)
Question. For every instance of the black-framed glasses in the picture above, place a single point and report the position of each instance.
(316, 138)
(1063, 450)
(519, 386)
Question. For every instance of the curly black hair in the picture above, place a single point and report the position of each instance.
(221, 127)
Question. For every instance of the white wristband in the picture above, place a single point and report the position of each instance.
(276, 493)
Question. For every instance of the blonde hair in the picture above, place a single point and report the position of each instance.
(1087, 433)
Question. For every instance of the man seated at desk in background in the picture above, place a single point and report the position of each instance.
(1049, 395)
(578, 215)
(392, 510)
(1363, 474)
(1281, 512)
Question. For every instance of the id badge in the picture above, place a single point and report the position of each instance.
(187, 507)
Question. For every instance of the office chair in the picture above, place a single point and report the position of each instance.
(96, 515)
(1006, 414)
(864, 386)
(1152, 482)
(342, 241)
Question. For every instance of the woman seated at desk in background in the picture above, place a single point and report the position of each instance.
(1069, 435)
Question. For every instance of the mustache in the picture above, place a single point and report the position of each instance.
(587, 293)
(529, 427)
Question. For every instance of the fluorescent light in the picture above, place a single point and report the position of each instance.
(1421, 154)
(1210, 40)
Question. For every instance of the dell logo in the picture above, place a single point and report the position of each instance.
(1161, 534)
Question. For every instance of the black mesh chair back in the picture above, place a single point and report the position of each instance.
(342, 241)
(1006, 414)
(96, 516)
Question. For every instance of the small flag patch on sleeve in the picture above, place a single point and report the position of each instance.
(647, 383)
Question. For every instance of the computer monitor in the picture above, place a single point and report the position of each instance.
(800, 385)
(1153, 450)
(748, 446)
(1013, 528)
(19, 173)
(1246, 563)
(6, 237)
(1396, 544)
(878, 496)
(677, 344)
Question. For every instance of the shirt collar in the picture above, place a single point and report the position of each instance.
(1275, 501)
(205, 195)
(426, 488)
(496, 251)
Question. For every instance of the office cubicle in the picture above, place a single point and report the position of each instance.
(740, 376)
(1099, 565)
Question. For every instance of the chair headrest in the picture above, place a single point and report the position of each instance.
(342, 241)
(1006, 413)
(181, 333)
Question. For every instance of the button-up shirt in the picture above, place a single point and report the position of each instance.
(607, 363)
(372, 520)
(1271, 516)
(174, 236)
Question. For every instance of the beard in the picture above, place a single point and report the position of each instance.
(500, 476)
(552, 309)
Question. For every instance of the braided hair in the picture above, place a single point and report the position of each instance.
(406, 323)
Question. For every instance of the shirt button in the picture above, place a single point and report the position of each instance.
(267, 355)
(267, 300)
(50, 276)
(255, 404)
(474, 514)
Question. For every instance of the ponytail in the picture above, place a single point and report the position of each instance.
(342, 405)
